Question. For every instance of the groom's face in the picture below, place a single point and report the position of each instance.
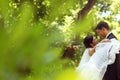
(101, 32)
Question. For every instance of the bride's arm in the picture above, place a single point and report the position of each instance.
(91, 51)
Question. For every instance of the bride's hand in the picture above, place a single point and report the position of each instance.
(106, 40)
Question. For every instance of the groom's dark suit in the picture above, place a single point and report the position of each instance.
(113, 70)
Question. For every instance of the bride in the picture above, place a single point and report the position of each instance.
(97, 57)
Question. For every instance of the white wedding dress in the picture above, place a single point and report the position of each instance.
(94, 67)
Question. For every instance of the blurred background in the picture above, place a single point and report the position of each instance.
(43, 39)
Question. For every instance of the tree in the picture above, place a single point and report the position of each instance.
(86, 8)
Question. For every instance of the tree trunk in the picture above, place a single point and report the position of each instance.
(82, 13)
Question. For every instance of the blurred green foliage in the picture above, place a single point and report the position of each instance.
(35, 33)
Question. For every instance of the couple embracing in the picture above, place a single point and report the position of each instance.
(100, 60)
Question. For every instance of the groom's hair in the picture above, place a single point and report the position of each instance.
(87, 41)
(101, 25)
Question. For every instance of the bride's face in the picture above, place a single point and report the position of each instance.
(95, 41)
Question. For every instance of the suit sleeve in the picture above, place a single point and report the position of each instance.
(118, 65)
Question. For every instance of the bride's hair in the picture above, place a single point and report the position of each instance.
(88, 41)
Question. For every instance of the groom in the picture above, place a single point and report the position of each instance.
(113, 70)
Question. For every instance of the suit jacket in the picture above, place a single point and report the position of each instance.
(113, 70)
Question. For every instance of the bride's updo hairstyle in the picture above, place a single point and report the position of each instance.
(88, 40)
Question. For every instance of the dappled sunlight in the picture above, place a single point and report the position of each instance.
(35, 33)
